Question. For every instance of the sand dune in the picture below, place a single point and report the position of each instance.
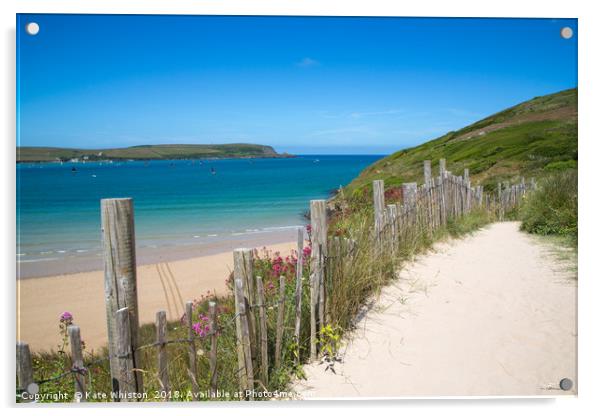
(493, 314)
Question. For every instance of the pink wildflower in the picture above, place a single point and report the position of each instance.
(66, 317)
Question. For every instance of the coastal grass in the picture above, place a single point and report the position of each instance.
(51, 365)
(552, 208)
(354, 279)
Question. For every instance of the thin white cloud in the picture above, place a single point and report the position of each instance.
(344, 130)
(307, 62)
(362, 114)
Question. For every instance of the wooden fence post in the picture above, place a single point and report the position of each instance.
(263, 331)
(24, 368)
(119, 249)
(77, 363)
(467, 190)
(280, 321)
(313, 295)
(213, 352)
(192, 369)
(426, 204)
(243, 270)
(378, 190)
(125, 377)
(443, 190)
(392, 218)
(244, 341)
(318, 254)
(240, 349)
(499, 201)
(161, 339)
(427, 172)
(298, 292)
(409, 200)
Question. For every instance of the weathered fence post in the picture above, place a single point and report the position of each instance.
(280, 321)
(392, 225)
(243, 270)
(191, 352)
(409, 191)
(24, 368)
(161, 342)
(378, 189)
(298, 292)
(443, 190)
(243, 267)
(467, 190)
(318, 254)
(263, 331)
(500, 202)
(427, 171)
(213, 352)
(77, 363)
(119, 248)
(427, 193)
(245, 360)
(124, 353)
(523, 186)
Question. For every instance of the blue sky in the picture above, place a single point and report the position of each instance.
(302, 85)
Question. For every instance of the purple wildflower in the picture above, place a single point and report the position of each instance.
(66, 316)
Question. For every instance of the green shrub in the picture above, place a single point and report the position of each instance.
(562, 165)
(552, 208)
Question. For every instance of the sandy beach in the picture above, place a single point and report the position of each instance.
(491, 314)
(40, 301)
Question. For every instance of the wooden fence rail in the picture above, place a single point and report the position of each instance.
(422, 208)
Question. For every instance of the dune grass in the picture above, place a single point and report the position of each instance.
(353, 278)
(552, 208)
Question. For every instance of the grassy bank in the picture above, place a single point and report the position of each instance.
(552, 209)
(530, 139)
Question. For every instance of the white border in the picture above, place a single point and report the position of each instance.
(590, 96)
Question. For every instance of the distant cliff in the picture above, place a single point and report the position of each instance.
(149, 152)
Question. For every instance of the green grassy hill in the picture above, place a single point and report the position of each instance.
(528, 139)
(148, 152)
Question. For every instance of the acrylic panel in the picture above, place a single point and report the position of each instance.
(285, 207)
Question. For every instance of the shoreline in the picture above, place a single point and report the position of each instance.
(121, 160)
(91, 261)
(41, 300)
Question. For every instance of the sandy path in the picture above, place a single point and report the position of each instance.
(493, 314)
(40, 301)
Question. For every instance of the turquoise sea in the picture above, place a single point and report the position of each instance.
(175, 202)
